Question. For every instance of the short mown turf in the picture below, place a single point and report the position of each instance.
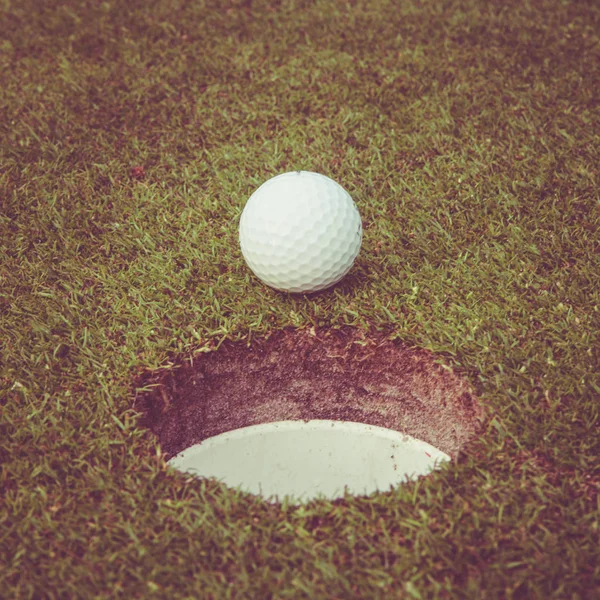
(131, 135)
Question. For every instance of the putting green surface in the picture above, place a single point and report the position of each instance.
(131, 135)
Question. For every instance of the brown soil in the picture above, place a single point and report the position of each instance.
(341, 374)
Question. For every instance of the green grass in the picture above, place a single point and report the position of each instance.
(467, 132)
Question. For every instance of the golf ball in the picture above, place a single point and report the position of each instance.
(300, 232)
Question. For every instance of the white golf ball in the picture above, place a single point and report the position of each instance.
(300, 232)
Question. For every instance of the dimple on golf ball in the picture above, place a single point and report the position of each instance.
(300, 232)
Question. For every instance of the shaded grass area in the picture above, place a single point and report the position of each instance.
(131, 135)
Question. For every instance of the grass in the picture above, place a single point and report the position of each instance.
(131, 135)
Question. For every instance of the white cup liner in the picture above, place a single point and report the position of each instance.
(302, 460)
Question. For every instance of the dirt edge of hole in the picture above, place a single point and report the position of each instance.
(344, 374)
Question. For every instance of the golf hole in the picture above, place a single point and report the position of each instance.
(309, 413)
(296, 459)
